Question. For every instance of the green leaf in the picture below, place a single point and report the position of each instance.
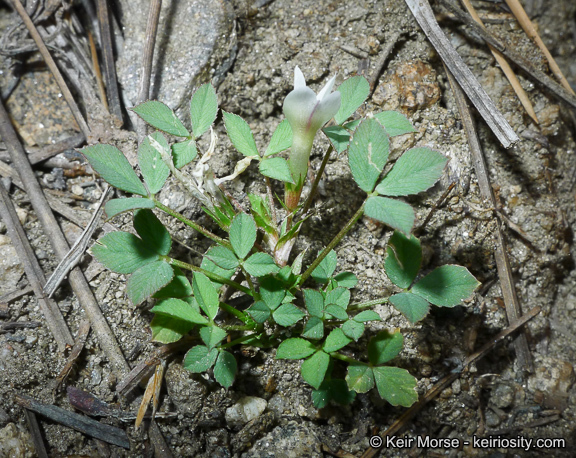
(360, 378)
(336, 340)
(346, 279)
(152, 231)
(240, 134)
(334, 389)
(147, 280)
(339, 296)
(261, 213)
(212, 335)
(368, 153)
(338, 136)
(179, 287)
(281, 139)
(259, 311)
(446, 286)
(205, 294)
(222, 257)
(395, 123)
(336, 311)
(161, 117)
(353, 329)
(351, 125)
(167, 329)
(200, 358)
(415, 171)
(122, 252)
(297, 264)
(314, 302)
(353, 92)
(314, 328)
(260, 264)
(203, 109)
(395, 385)
(384, 346)
(413, 307)
(272, 292)
(242, 234)
(178, 309)
(295, 348)
(403, 259)
(116, 206)
(225, 369)
(183, 153)
(109, 162)
(367, 315)
(153, 169)
(314, 368)
(287, 315)
(326, 268)
(213, 268)
(276, 168)
(396, 214)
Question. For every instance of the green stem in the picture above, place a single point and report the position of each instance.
(344, 358)
(237, 313)
(191, 224)
(335, 241)
(238, 341)
(363, 305)
(317, 179)
(210, 275)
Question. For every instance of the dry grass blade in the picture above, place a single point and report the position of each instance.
(513, 310)
(152, 393)
(505, 66)
(530, 30)
(425, 17)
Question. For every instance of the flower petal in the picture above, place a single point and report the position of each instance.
(298, 106)
(325, 110)
(299, 80)
(326, 89)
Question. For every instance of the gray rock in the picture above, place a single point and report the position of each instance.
(290, 440)
(186, 393)
(196, 43)
(245, 410)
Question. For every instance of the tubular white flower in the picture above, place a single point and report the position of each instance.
(307, 112)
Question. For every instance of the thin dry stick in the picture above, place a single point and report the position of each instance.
(425, 16)
(533, 72)
(51, 228)
(402, 422)
(146, 72)
(98, 74)
(77, 251)
(108, 54)
(513, 310)
(505, 66)
(34, 272)
(530, 30)
(390, 43)
(52, 66)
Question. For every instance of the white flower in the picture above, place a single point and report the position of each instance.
(307, 112)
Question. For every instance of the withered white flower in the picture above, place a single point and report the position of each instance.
(307, 113)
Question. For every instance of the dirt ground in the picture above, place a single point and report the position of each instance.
(252, 59)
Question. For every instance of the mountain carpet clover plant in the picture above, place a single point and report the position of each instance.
(315, 321)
